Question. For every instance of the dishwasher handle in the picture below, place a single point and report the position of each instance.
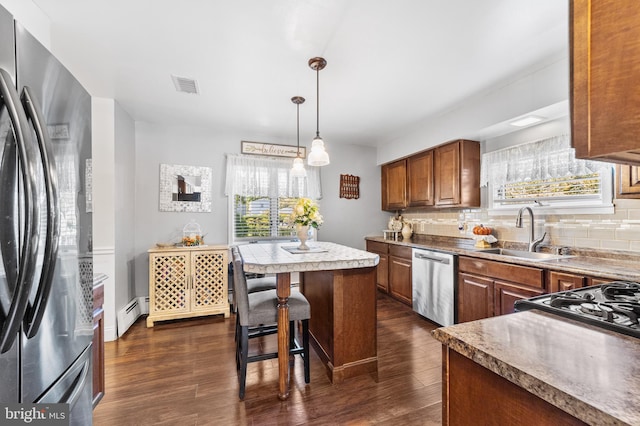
(423, 256)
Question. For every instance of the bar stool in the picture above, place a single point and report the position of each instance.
(257, 309)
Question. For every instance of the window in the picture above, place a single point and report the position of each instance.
(262, 194)
(546, 174)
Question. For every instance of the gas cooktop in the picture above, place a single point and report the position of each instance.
(614, 306)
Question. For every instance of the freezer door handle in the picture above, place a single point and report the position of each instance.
(26, 265)
(423, 256)
(34, 314)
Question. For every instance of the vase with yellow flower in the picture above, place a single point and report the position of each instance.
(305, 214)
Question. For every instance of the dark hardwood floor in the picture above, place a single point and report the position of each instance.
(183, 373)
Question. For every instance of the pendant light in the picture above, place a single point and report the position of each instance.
(318, 156)
(298, 171)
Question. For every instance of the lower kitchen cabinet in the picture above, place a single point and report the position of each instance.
(98, 343)
(382, 270)
(487, 288)
(187, 282)
(475, 395)
(560, 281)
(400, 273)
(475, 297)
(394, 270)
(506, 294)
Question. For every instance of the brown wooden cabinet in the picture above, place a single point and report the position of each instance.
(487, 288)
(627, 181)
(98, 343)
(394, 270)
(474, 395)
(420, 179)
(605, 70)
(382, 270)
(457, 174)
(445, 176)
(394, 185)
(400, 286)
(475, 297)
(560, 281)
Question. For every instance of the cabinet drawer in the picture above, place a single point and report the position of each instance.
(526, 275)
(400, 251)
(378, 247)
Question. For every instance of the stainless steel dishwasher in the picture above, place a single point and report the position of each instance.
(434, 285)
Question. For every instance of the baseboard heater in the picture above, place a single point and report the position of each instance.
(131, 312)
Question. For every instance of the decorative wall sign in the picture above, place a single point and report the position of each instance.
(349, 186)
(272, 150)
(185, 188)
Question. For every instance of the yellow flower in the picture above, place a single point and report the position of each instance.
(305, 212)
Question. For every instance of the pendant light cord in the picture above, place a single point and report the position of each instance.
(317, 102)
(298, 121)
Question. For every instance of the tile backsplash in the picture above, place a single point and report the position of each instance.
(618, 231)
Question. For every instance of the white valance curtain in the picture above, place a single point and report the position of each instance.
(255, 176)
(540, 160)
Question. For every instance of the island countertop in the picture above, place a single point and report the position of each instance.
(586, 371)
(273, 258)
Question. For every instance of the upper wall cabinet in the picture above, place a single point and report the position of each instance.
(605, 70)
(394, 185)
(420, 179)
(457, 174)
(445, 176)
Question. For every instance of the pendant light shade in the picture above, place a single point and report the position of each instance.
(318, 155)
(298, 171)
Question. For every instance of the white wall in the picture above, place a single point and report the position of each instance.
(346, 221)
(124, 202)
(538, 89)
(103, 136)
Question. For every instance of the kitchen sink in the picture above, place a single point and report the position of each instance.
(529, 255)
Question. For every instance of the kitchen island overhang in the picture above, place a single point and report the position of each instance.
(340, 284)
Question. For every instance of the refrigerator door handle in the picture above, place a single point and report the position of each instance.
(78, 385)
(26, 268)
(34, 314)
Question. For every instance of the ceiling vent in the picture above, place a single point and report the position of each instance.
(185, 85)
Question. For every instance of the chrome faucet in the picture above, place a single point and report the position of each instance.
(533, 243)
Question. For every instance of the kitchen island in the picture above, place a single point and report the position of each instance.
(340, 284)
(537, 368)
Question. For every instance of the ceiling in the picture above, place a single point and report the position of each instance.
(390, 63)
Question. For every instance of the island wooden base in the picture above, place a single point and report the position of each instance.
(472, 394)
(343, 324)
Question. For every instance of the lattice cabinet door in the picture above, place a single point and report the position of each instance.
(169, 281)
(210, 271)
(187, 282)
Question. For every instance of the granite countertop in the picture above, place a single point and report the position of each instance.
(588, 372)
(614, 265)
(273, 258)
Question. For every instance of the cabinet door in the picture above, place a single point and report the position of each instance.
(382, 272)
(475, 297)
(169, 283)
(420, 177)
(605, 101)
(209, 288)
(627, 181)
(400, 279)
(559, 281)
(394, 185)
(506, 294)
(447, 174)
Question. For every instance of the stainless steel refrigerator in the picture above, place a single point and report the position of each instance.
(46, 274)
